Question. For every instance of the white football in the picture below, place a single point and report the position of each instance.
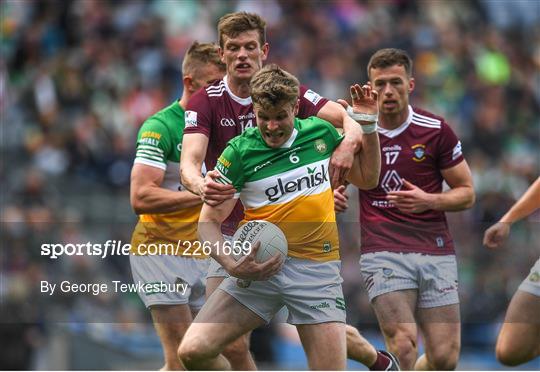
(272, 239)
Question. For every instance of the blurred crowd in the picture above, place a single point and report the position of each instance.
(78, 78)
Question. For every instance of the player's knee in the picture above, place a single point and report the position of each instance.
(509, 355)
(187, 353)
(192, 351)
(445, 358)
(506, 356)
(237, 350)
(403, 343)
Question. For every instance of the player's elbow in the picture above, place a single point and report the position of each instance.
(137, 201)
(183, 175)
(470, 198)
(371, 183)
(364, 183)
(137, 205)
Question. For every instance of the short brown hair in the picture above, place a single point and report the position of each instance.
(233, 24)
(272, 86)
(200, 54)
(389, 57)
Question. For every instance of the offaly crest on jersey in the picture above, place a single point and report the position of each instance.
(320, 145)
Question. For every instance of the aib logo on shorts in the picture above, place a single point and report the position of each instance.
(419, 152)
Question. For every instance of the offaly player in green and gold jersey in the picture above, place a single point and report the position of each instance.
(280, 170)
(167, 213)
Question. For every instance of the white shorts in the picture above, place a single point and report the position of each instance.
(531, 284)
(310, 290)
(435, 277)
(215, 270)
(171, 270)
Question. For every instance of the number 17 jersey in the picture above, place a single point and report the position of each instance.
(416, 151)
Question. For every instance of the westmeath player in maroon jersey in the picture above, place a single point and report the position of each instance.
(223, 110)
(408, 261)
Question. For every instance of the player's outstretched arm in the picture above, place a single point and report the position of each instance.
(194, 146)
(412, 199)
(147, 195)
(209, 229)
(364, 111)
(497, 234)
(528, 203)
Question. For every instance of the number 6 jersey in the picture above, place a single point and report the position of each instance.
(288, 186)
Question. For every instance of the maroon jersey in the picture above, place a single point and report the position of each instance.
(417, 151)
(220, 115)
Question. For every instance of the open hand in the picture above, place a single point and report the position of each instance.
(364, 101)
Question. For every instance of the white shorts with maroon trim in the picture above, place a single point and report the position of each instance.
(435, 277)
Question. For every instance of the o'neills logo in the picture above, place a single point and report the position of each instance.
(315, 177)
(250, 230)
